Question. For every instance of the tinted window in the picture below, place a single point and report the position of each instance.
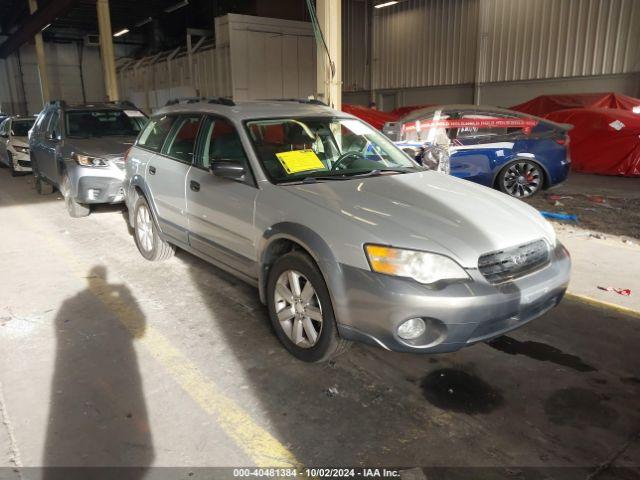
(101, 123)
(155, 133)
(222, 142)
(20, 128)
(183, 142)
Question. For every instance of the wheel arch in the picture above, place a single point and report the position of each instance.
(285, 237)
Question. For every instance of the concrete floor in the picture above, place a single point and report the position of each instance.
(111, 360)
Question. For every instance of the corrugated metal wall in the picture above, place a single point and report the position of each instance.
(561, 38)
(419, 43)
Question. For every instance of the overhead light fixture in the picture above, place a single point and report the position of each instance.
(144, 22)
(45, 27)
(175, 7)
(121, 32)
(386, 4)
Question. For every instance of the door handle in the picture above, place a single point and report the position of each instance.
(152, 170)
(195, 186)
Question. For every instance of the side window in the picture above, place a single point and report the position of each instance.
(221, 142)
(183, 141)
(480, 127)
(53, 126)
(43, 121)
(153, 136)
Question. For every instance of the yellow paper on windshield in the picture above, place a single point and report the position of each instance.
(297, 161)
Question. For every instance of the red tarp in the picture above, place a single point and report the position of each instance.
(545, 104)
(402, 111)
(375, 118)
(603, 141)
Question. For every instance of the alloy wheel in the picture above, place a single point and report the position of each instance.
(144, 228)
(298, 308)
(522, 179)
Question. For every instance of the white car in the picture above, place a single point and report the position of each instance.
(14, 144)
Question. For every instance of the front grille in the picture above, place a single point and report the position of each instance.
(514, 262)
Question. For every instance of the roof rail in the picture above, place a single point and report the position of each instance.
(219, 100)
(310, 101)
(122, 103)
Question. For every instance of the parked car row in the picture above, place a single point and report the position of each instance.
(345, 236)
(14, 143)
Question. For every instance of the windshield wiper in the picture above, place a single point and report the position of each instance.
(379, 171)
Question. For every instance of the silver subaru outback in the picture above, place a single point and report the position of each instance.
(345, 237)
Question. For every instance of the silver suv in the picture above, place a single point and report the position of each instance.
(344, 235)
(79, 149)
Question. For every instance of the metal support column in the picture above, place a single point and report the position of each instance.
(481, 51)
(329, 83)
(42, 62)
(106, 50)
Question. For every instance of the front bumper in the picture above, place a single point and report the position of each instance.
(21, 162)
(457, 315)
(99, 190)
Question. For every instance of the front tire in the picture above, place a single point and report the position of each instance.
(145, 233)
(521, 179)
(75, 209)
(301, 311)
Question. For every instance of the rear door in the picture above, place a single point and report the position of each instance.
(221, 210)
(173, 138)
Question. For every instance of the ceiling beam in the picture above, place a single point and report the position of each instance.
(34, 23)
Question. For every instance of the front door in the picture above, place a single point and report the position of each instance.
(221, 210)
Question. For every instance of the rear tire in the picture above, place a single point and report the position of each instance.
(75, 209)
(12, 169)
(304, 323)
(521, 179)
(146, 235)
(42, 186)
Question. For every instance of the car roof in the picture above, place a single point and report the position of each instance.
(255, 109)
(99, 106)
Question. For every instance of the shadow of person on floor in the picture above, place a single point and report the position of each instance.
(98, 416)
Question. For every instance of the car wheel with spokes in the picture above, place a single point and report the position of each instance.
(521, 179)
(300, 309)
(145, 233)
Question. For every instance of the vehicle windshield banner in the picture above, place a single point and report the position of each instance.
(471, 123)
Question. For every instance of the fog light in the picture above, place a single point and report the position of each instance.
(411, 329)
(93, 193)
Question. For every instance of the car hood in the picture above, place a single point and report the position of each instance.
(430, 211)
(106, 147)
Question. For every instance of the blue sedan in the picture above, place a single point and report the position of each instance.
(516, 153)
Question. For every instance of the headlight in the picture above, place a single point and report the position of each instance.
(20, 149)
(88, 161)
(423, 267)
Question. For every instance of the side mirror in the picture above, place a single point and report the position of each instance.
(53, 136)
(228, 169)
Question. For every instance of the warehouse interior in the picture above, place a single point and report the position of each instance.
(157, 347)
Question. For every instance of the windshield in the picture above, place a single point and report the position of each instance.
(295, 149)
(20, 128)
(101, 123)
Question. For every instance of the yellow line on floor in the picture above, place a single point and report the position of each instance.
(603, 304)
(263, 448)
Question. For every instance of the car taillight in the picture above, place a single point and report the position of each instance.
(563, 141)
